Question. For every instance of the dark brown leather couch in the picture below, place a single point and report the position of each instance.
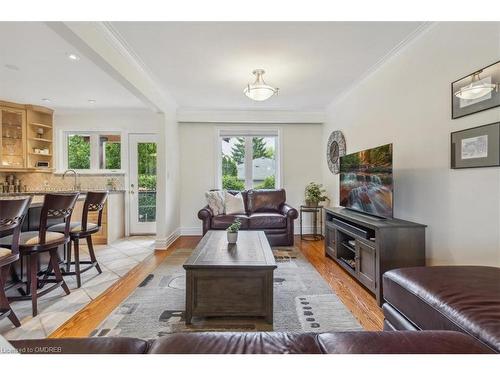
(455, 298)
(428, 342)
(264, 210)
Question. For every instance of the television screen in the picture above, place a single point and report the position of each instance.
(366, 181)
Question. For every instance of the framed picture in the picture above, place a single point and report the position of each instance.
(476, 147)
(476, 92)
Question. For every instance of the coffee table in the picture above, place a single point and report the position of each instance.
(230, 280)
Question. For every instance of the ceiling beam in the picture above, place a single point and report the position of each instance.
(100, 43)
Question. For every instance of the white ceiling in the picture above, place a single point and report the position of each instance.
(46, 72)
(206, 65)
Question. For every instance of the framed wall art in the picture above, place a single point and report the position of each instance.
(476, 92)
(476, 147)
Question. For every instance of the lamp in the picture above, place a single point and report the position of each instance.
(259, 90)
(476, 89)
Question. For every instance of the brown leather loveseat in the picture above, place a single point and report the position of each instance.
(428, 342)
(265, 210)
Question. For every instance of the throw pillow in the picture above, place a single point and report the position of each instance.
(234, 204)
(215, 200)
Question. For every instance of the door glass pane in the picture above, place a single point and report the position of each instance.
(264, 162)
(233, 163)
(12, 140)
(78, 151)
(146, 154)
(109, 152)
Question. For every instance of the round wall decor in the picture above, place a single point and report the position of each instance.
(334, 150)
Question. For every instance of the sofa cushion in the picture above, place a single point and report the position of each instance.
(236, 343)
(400, 342)
(93, 345)
(266, 200)
(224, 221)
(267, 220)
(459, 298)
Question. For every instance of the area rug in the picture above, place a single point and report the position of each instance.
(303, 302)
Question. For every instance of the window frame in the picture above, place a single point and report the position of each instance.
(94, 151)
(247, 132)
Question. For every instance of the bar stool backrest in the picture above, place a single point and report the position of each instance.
(93, 202)
(12, 214)
(57, 206)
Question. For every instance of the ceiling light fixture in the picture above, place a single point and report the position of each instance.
(259, 90)
(476, 89)
(73, 56)
(91, 101)
(47, 100)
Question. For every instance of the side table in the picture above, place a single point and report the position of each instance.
(317, 218)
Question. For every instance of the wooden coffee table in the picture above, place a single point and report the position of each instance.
(230, 280)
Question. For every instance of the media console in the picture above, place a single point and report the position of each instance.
(366, 246)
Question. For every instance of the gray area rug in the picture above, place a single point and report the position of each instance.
(303, 302)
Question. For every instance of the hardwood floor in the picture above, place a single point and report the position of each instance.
(357, 299)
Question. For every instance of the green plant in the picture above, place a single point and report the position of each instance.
(232, 183)
(78, 152)
(268, 183)
(235, 226)
(315, 193)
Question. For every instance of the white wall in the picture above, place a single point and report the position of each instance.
(407, 102)
(301, 161)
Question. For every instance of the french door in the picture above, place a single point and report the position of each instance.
(142, 189)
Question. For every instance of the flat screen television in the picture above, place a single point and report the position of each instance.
(366, 183)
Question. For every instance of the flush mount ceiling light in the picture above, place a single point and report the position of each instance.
(259, 90)
(47, 100)
(476, 89)
(91, 101)
(73, 56)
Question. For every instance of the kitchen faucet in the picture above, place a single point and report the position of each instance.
(75, 185)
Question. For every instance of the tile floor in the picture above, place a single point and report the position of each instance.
(115, 259)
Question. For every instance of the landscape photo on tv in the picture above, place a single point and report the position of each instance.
(366, 182)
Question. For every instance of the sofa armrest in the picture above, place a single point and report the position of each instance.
(205, 215)
(289, 212)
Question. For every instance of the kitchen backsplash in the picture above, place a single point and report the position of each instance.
(53, 182)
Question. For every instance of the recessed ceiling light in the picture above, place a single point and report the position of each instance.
(47, 100)
(73, 56)
(91, 101)
(11, 67)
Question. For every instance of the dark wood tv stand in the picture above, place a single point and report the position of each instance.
(366, 246)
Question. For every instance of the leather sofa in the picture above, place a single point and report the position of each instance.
(428, 342)
(264, 210)
(455, 298)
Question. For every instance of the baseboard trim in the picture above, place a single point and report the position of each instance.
(165, 243)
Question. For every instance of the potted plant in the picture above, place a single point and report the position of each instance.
(232, 231)
(315, 194)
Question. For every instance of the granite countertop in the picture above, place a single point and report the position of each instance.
(43, 192)
(37, 196)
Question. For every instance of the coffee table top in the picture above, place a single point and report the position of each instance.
(251, 251)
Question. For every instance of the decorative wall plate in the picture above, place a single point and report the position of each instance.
(334, 150)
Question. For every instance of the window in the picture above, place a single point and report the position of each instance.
(92, 151)
(248, 160)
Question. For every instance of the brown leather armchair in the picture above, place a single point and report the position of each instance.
(264, 210)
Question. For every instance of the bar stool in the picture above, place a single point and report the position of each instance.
(32, 244)
(94, 202)
(12, 214)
